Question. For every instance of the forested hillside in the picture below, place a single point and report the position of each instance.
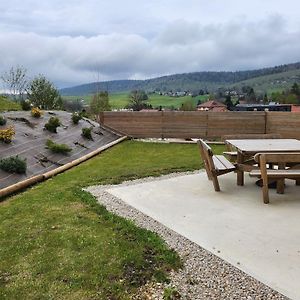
(272, 78)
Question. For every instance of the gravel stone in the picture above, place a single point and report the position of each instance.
(204, 275)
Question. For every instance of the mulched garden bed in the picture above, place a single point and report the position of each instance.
(30, 139)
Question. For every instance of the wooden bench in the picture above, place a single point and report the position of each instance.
(282, 160)
(232, 154)
(215, 165)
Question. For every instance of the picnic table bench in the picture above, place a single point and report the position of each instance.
(215, 165)
(282, 160)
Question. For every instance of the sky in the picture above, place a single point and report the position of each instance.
(74, 42)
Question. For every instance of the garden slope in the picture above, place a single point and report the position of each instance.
(30, 139)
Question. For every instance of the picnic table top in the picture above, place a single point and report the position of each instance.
(265, 145)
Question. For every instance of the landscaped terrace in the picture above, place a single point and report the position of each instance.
(58, 241)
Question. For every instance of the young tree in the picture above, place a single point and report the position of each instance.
(137, 100)
(295, 89)
(43, 93)
(188, 105)
(251, 97)
(99, 103)
(16, 81)
(228, 102)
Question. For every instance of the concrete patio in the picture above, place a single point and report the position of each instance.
(234, 224)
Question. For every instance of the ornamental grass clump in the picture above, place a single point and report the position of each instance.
(2, 120)
(13, 164)
(7, 134)
(87, 133)
(58, 148)
(52, 124)
(76, 117)
(36, 112)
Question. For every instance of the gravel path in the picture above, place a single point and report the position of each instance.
(204, 275)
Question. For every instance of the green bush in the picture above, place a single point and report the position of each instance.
(2, 120)
(25, 104)
(76, 117)
(58, 148)
(13, 164)
(52, 124)
(87, 132)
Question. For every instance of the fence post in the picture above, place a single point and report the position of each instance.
(266, 120)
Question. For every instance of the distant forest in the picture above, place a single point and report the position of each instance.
(266, 78)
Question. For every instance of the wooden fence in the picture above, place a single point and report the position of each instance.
(179, 124)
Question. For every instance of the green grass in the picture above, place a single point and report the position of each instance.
(6, 104)
(120, 100)
(57, 242)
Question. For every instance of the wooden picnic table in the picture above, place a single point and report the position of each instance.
(248, 148)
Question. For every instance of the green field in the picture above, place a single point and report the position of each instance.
(58, 242)
(120, 100)
(6, 104)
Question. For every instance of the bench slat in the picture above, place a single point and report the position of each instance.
(222, 163)
(277, 173)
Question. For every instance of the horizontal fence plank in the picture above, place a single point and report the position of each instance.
(285, 123)
(209, 125)
(224, 123)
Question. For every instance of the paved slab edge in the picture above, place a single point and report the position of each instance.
(204, 275)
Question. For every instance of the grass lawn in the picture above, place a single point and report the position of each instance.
(6, 104)
(57, 242)
(120, 100)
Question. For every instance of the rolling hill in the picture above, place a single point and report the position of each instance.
(262, 80)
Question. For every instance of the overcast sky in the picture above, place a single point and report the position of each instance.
(80, 41)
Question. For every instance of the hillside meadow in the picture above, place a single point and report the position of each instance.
(120, 100)
(6, 104)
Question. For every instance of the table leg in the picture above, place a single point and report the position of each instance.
(240, 173)
(280, 182)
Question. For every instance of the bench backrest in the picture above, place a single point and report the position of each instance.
(206, 155)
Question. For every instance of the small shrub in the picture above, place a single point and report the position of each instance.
(76, 117)
(2, 120)
(171, 294)
(36, 112)
(87, 133)
(13, 164)
(6, 135)
(58, 148)
(52, 124)
(25, 104)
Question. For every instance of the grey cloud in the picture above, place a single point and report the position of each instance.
(181, 47)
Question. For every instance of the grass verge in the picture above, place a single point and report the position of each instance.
(57, 242)
(6, 104)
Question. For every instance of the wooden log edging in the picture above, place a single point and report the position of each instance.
(42, 177)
